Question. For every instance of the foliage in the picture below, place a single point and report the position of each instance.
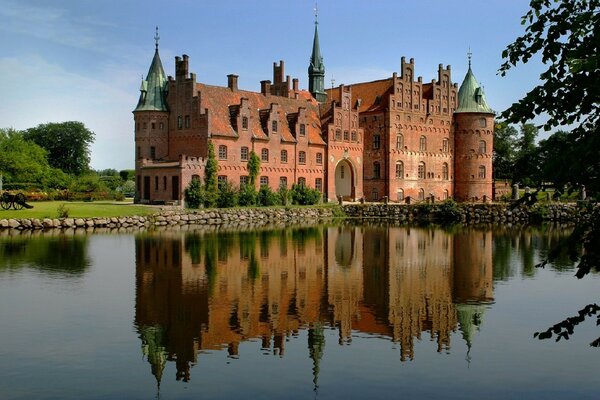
(211, 185)
(127, 174)
(253, 167)
(526, 165)
(77, 209)
(267, 197)
(67, 144)
(566, 35)
(127, 188)
(194, 194)
(448, 210)
(62, 211)
(303, 195)
(504, 150)
(228, 195)
(247, 196)
(25, 162)
(285, 195)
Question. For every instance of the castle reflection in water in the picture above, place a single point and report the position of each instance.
(209, 291)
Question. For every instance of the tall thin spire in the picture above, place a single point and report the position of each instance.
(154, 88)
(316, 68)
(469, 55)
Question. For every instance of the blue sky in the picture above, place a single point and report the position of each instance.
(83, 59)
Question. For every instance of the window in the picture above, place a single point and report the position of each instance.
(274, 126)
(422, 143)
(221, 180)
(302, 130)
(244, 122)
(187, 121)
(179, 122)
(421, 170)
(399, 170)
(156, 183)
(283, 156)
(153, 125)
(161, 126)
(302, 157)
(153, 152)
(283, 182)
(353, 136)
(164, 183)
(244, 154)
(376, 142)
(399, 141)
(421, 194)
(346, 136)
(319, 184)
(445, 171)
(446, 196)
(376, 170)
(481, 172)
(482, 147)
(138, 152)
(302, 181)
(222, 152)
(264, 155)
(264, 181)
(244, 180)
(342, 172)
(319, 158)
(445, 146)
(400, 195)
(482, 123)
(145, 125)
(196, 178)
(374, 194)
(338, 135)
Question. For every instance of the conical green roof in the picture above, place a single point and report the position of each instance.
(153, 338)
(316, 60)
(470, 318)
(154, 88)
(471, 98)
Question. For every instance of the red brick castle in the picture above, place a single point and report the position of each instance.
(397, 137)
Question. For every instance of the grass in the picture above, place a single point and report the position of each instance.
(76, 209)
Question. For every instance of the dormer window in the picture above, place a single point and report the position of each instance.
(274, 126)
(302, 130)
(244, 122)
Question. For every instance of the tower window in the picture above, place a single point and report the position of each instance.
(376, 142)
(482, 147)
(399, 141)
(179, 122)
(422, 143)
(399, 170)
(421, 170)
(302, 130)
(274, 126)
(376, 170)
(445, 145)
(153, 152)
(187, 121)
(244, 122)
(445, 171)
(481, 172)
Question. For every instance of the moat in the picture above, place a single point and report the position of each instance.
(326, 311)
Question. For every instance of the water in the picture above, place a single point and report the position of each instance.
(322, 312)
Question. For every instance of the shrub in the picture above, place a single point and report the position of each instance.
(119, 196)
(194, 194)
(228, 195)
(247, 196)
(303, 195)
(285, 195)
(448, 211)
(62, 211)
(267, 197)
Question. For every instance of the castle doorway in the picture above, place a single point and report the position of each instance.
(344, 180)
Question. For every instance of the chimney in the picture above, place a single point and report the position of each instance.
(295, 84)
(265, 88)
(232, 82)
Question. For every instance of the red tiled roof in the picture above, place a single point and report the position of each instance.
(373, 95)
(218, 99)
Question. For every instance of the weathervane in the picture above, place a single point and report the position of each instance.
(156, 38)
(332, 81)
(469, 55)
(316, 10)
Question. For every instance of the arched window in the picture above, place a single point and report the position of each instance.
(445, 172)
(421, 170)
(445, 146)
(264, 155)
(482, 123)
(422, 143)
(400, 195)
(482, 147)
(399, 170)
(376, 170)
(421, 194)
(222, 152)
(399, 141)
(446, 194)
(302, 157)
(481, 172)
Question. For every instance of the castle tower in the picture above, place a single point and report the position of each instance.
(473, 141)
(316, 69)
(151, 114)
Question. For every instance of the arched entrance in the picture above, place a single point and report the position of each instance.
(344, 180)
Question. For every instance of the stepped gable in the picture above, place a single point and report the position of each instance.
(218, 100)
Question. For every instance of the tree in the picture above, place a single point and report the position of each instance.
(211, 186)
(253, 168)
(67, 144)
(504, 150)
(526, 166)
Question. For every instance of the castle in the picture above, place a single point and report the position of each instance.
(397, 138)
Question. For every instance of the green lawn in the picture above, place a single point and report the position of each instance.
(76, 209)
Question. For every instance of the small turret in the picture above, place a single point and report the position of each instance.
(154, 88)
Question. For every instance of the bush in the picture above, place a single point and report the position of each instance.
(62, 211)
(303, 195)
(194, 194)
(247, 196)
(267, 197)
(448, 211)
(228, 195)
(285, 195)
(119, 196)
